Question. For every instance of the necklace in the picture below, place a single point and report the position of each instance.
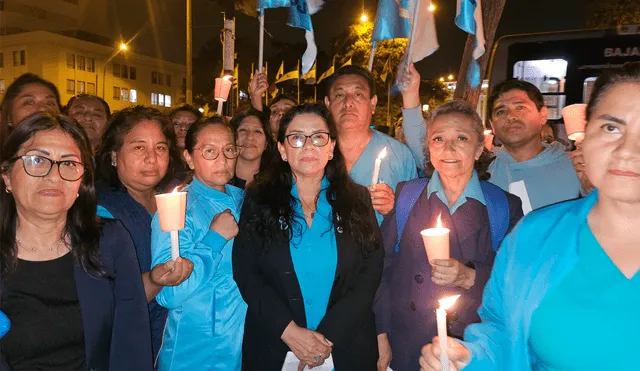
(33, 249)
(312, 211)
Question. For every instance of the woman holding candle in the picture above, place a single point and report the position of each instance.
(413, 282)
(308, 257)
(567, 277)
(206, 312)
(70, 282)
(136, 150)
(254, 137)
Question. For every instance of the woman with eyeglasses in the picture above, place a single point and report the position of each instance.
(133, 162)
(308, 258)
(70, 282)
(257, 149)
(206, 311)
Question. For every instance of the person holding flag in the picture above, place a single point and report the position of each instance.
(279, 106)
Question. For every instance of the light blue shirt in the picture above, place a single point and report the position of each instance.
(315, 256)
(471, 190)
(205, 325)
(398, 166)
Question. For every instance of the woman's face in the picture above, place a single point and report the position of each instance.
(612, 144)
(309, 160)
(143, 160)
(91, 115)
(31, 99)
(215, 142)
(182, 121)
(49, 196)
(251, 138)
(453, 145)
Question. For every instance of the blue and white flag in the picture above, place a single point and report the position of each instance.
(469, 19)
(267, 4)
(392, 20)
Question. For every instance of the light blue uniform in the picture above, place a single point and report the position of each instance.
(398, 166)
(206, 312)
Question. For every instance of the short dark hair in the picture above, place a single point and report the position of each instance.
(281, 97)
(351, 70)
(107, 110)
(186, 108)
(112, 140)
(514, 84)
(81, 223)
(628, 73)
(190, 140)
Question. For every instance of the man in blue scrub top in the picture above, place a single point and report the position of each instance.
(352, 100)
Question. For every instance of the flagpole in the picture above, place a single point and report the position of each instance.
(388, 103)
(238, 88)
(298, 81)
(372, 55)
(266, 94)
(315, 91)
(416, 12)
(261, 41)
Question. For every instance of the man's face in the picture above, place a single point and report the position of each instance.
(278, 110)
(351, 103)
(515, 119)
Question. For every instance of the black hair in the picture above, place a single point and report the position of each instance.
(191, 139)
(81, 225)
(186, 108)
(462, 107)
(353, 70)
(119, 125)
(281, 97)
(270, 148)
(271, 192)
(107, 109)
(628, 73)
(12, 93)
(514, 84)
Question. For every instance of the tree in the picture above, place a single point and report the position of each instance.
(491, 14)
(611, 13)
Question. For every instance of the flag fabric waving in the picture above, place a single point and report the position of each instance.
(293, 75)
(310, 77)
(347, 63)
(386, 70)
(326, 74)
(469, 19)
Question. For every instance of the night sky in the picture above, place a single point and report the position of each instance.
(161, 31)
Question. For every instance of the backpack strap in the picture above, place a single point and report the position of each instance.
(498, 209)
(406, 200)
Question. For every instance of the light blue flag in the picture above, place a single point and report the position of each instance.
(300, 16)
(267, 4)
(469, 19)
(392, 20)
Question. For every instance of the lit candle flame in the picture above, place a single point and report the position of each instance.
(446, 303)
(487, 132)
(175, 190)
(439, 222)
(382, 153)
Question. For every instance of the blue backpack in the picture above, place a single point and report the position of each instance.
(497, 207)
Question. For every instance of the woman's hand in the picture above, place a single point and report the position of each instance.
(307, 345)
(384, 351)
(459, 356)
(452, 272)
(171, 273)
(408, 79)
(225, 224)
(382, 198)
(577, 158)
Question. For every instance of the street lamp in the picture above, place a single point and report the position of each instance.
(442, 79)
(364, 18)
(432, 7)
(121, 48)
(450, 77)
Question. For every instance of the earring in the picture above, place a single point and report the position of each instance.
(8, 190)
(77, 195)
(113, 163)
(330, 156)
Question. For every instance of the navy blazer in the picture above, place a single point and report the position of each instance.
(114, 311)
(269, 285)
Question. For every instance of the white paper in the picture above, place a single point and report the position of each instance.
(291, 363)
(520, 189)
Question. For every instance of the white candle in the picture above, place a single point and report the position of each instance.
(171, 211)
(436, 241)
(376, 167)
(441, 315)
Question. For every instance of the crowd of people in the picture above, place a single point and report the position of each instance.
(288, 247)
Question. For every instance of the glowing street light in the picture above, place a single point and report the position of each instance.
(442, 79)
(432, 7)
(364, 18)
(450, 77)
(123, 47)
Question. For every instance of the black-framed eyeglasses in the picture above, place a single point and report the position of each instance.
(298, 140)
(40, 166)
(212, 153)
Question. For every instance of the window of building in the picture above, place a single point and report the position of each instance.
(161, 99)
(81, 63)
(124, 94)
(167, 101)
(91, 88)
(168, 80)
(549, 76)
(154, 99)
(1, 60)
(587, 88)
(125, 71)
(154, 77)
(81, 87)
(132, 73)
(133, 96)
(71, 60)
(2, 86)
(116, 93)
(116, 69)
(160, 78)
(91, 65)
(71, 86)
(19, 58)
